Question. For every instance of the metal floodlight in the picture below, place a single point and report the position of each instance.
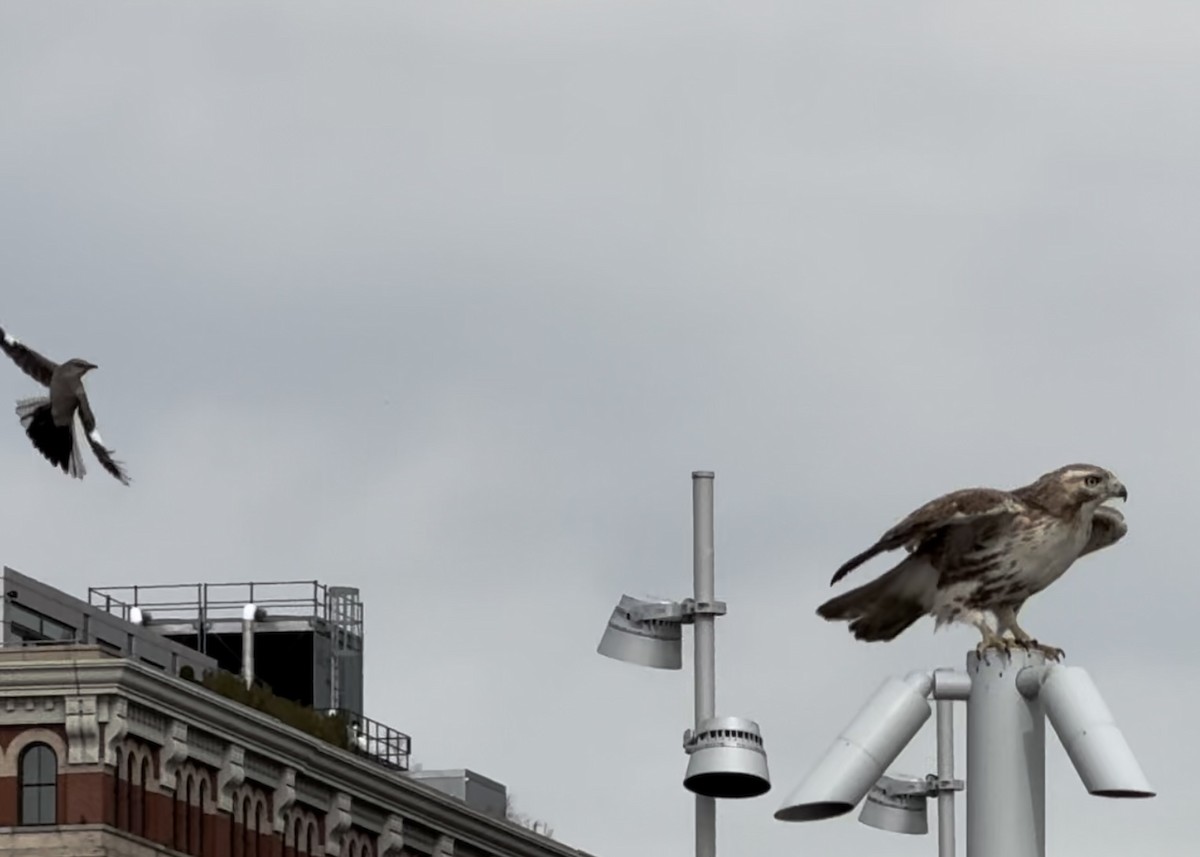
(726, 759)
(896, 804)
(1087, 730)
(138, 616)
(856, 761)
(646, 633)
(1009, 697)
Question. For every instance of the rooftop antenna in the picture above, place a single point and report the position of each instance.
(1008, 697)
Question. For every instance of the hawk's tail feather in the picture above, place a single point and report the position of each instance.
(56, 443)
(855, 561)
(879, 610)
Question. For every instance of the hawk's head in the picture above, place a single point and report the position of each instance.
(1081, 487)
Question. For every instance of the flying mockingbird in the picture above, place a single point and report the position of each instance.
(49, 421)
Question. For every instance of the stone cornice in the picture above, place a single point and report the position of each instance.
(88, 673)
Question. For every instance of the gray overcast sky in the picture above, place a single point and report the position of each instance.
(446, 300)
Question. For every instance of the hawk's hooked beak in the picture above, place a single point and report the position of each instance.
(1119, 491)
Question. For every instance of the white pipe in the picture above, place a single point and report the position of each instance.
(248, 614)
(1006, 759)
(882, 728)
(1087, 730)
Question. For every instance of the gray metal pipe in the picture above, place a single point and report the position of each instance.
(945, 773)
(1006, 759)
(705, 641)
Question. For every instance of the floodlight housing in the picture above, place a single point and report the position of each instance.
(138, 616)
(1087, 730)
(646, 633)
(896, 804)
(726, 759)
(861, 754)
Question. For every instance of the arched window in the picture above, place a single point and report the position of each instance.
(233, 837)
(131, 808)
(292, 846)
(117, 806)
(187, 814)
(261, 828)
(249, 834)
(200, 815)
(131, 795)
(143, 795)
(39, 785)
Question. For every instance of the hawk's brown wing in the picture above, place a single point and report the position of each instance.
(966, 506)
(1108, 528)
(34, 365)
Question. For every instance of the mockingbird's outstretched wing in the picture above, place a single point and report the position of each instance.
(103, 453)
(34, 365)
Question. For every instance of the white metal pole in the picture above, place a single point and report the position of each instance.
(1006, 759)
(945, 773)
(705, 660)
(248, 613)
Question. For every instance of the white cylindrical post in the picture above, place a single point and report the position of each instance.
(1087, 730)
(860, 756)
(1006, 759)
(705, 641)
(248, 614)
(945, 772)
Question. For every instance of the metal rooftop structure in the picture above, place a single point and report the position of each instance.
(307, 642)
(202, 607)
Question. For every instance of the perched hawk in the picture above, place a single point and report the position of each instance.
(975, 555)
(49, 421)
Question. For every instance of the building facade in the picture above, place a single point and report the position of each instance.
(107, 752)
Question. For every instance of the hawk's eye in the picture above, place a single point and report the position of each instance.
(1092, 480)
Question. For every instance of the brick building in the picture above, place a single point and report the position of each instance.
(105, 749)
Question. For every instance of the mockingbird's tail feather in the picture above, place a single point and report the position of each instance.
(56, 443)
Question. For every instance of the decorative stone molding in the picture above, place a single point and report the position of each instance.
(444, 846)
(116, 726)
(391, 840)
(82, 725)
(205, 747)
(312, 792)
(337, 822)
(173, 754)
(282, 800)
(230, 776)
(32, 709)
(261, 769)
(147, 723)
